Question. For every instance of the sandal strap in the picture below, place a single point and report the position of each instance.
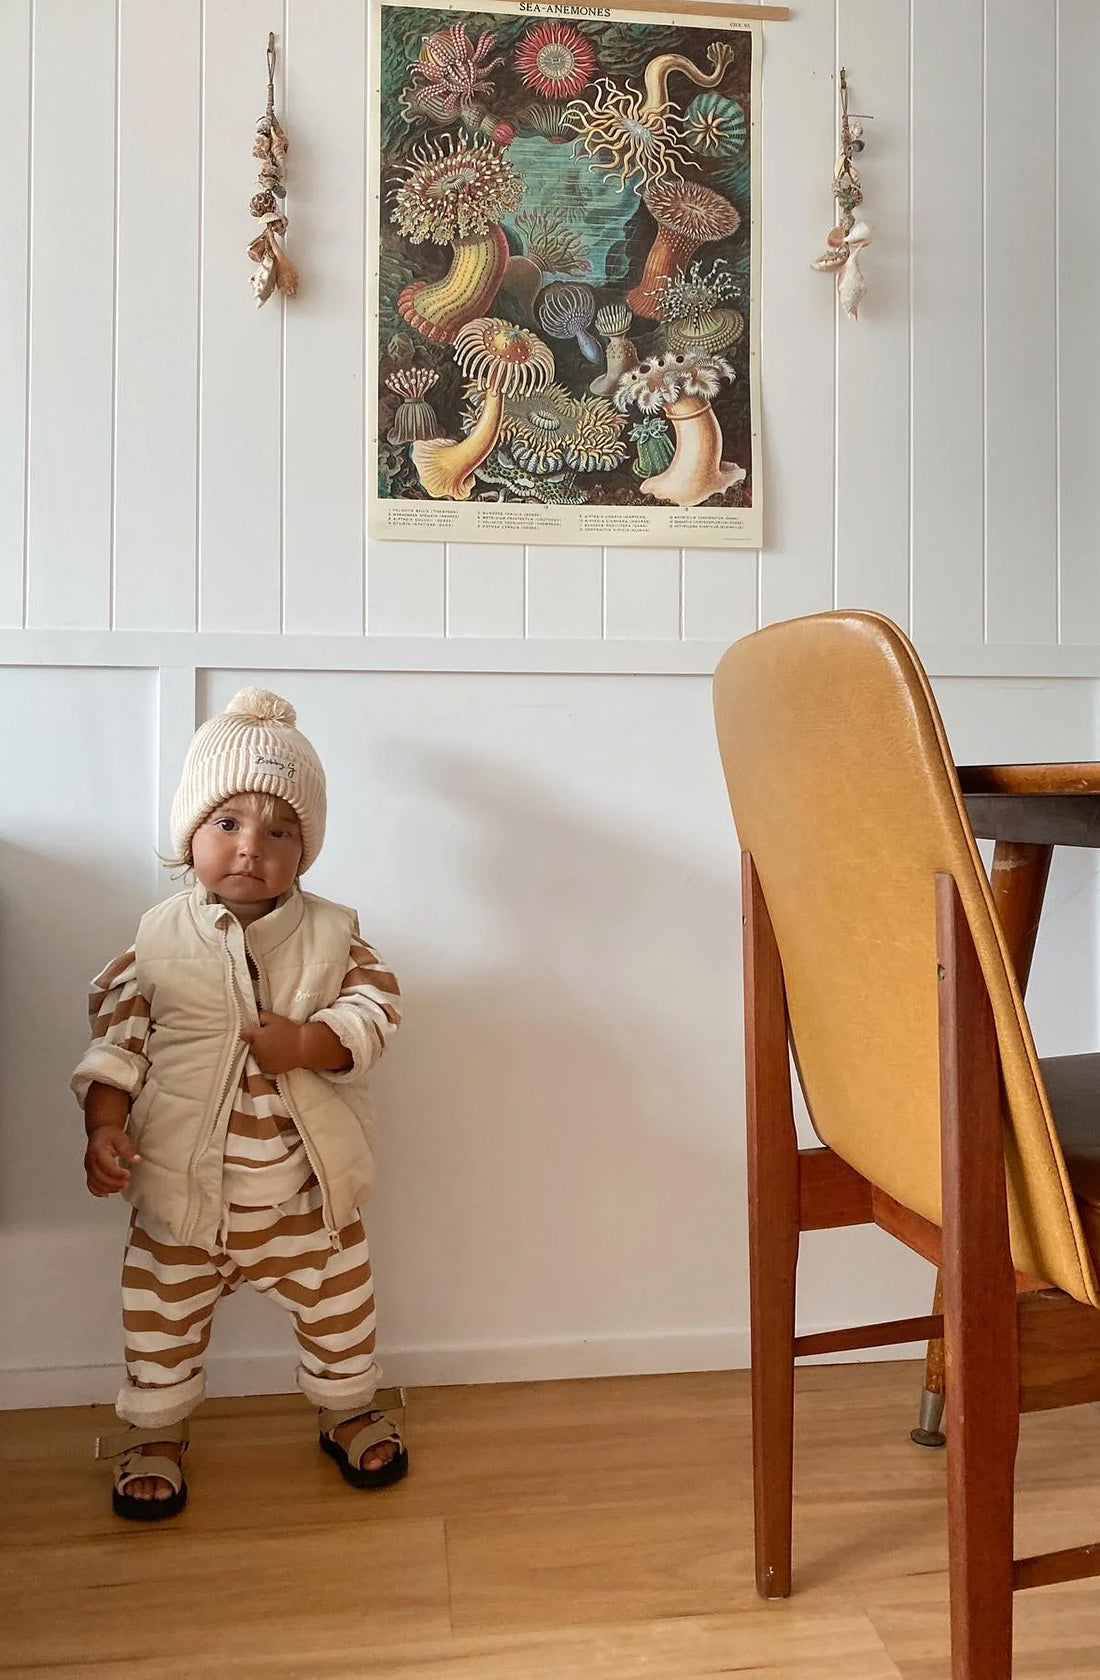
(114, 1446)
(385, 1400)
(381, 1429)
(379, 1422)
(133, 1467)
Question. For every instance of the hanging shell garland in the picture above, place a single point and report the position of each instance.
(849, 237)
(274, 269)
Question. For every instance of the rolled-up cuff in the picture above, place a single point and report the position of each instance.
(357, 1038)
(108, 1064)
(338, 1393)
(148, 1408)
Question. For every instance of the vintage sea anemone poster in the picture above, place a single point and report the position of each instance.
(564, 318)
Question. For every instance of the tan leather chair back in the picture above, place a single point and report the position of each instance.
(844, 791)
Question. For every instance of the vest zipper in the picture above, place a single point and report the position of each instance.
(295, 1115)
(231, 1074)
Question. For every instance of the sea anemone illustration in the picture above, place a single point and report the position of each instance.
(549, 247)
(566, 311)
(555, 60)
(660, 69)
(687, 215)
(518, 485)
(504, 361)
(547, 118)
(699, 308)
(549, 430)
(415, 419)
(476, 116)
(637, 134)
(715, 126)
(617, 133)
(654, 444)
(454, 193)
(613, 324)
(681, 388)
(454, 70)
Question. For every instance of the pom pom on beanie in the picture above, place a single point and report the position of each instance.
(254, 746)
(259, 705)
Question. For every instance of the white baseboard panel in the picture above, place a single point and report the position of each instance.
(440, 1366)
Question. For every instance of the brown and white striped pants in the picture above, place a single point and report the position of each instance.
(169, 1292)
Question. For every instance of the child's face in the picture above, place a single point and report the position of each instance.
(247, 852)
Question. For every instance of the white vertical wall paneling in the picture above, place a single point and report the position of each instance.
(797, 326)
(323, 485)
(1021, 289)
(72, 314)
(1079, 343)
(15, 72)
(405, 589)
(720, 593)
(564, 591)
(642, 593)
(872, 524)
(240, 519)
(485, 589)
(156, 357)
(176, 720)
(209, 417)
(947, 511)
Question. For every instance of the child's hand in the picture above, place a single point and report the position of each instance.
(280, 1045)
(106, 1160)
(277, 1043)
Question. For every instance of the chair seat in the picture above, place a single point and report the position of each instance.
(1073, 1086)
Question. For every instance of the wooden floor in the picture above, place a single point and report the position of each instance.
(546, 1532)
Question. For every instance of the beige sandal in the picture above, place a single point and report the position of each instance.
(131, 1466)
(379, 1424)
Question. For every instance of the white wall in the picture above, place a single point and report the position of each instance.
(526, 802)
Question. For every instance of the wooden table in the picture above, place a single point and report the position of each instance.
(1027, 810)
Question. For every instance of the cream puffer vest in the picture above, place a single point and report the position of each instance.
(192, 965)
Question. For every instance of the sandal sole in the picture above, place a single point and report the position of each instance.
(397, 1467)
(148, 1510)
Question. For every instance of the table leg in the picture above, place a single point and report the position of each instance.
(1019, 881)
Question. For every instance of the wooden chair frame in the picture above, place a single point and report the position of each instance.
(1012, 1343)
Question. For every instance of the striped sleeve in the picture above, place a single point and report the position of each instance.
(367, 1013)
(119, 1017)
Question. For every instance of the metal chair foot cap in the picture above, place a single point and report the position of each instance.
(928, 1437)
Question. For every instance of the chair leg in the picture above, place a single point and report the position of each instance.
(928, 1432)
(980, 1316)
(772, 1323)
(773, 1239)
(981, 1458)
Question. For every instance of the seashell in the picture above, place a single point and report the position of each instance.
(263, 281)
(831, 260)
(851, 287)
(836, 237)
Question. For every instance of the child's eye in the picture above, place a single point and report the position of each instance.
(280, 834)
(226, 824)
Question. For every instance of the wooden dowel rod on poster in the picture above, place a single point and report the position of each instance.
(700, 8)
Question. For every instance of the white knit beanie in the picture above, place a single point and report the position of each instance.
(253, 747)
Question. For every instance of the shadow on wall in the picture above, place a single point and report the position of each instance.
(60, 923)
(562, 1117)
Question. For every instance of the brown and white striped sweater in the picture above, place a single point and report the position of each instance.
(265, 1161)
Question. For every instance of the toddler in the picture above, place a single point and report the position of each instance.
(224, 1093)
